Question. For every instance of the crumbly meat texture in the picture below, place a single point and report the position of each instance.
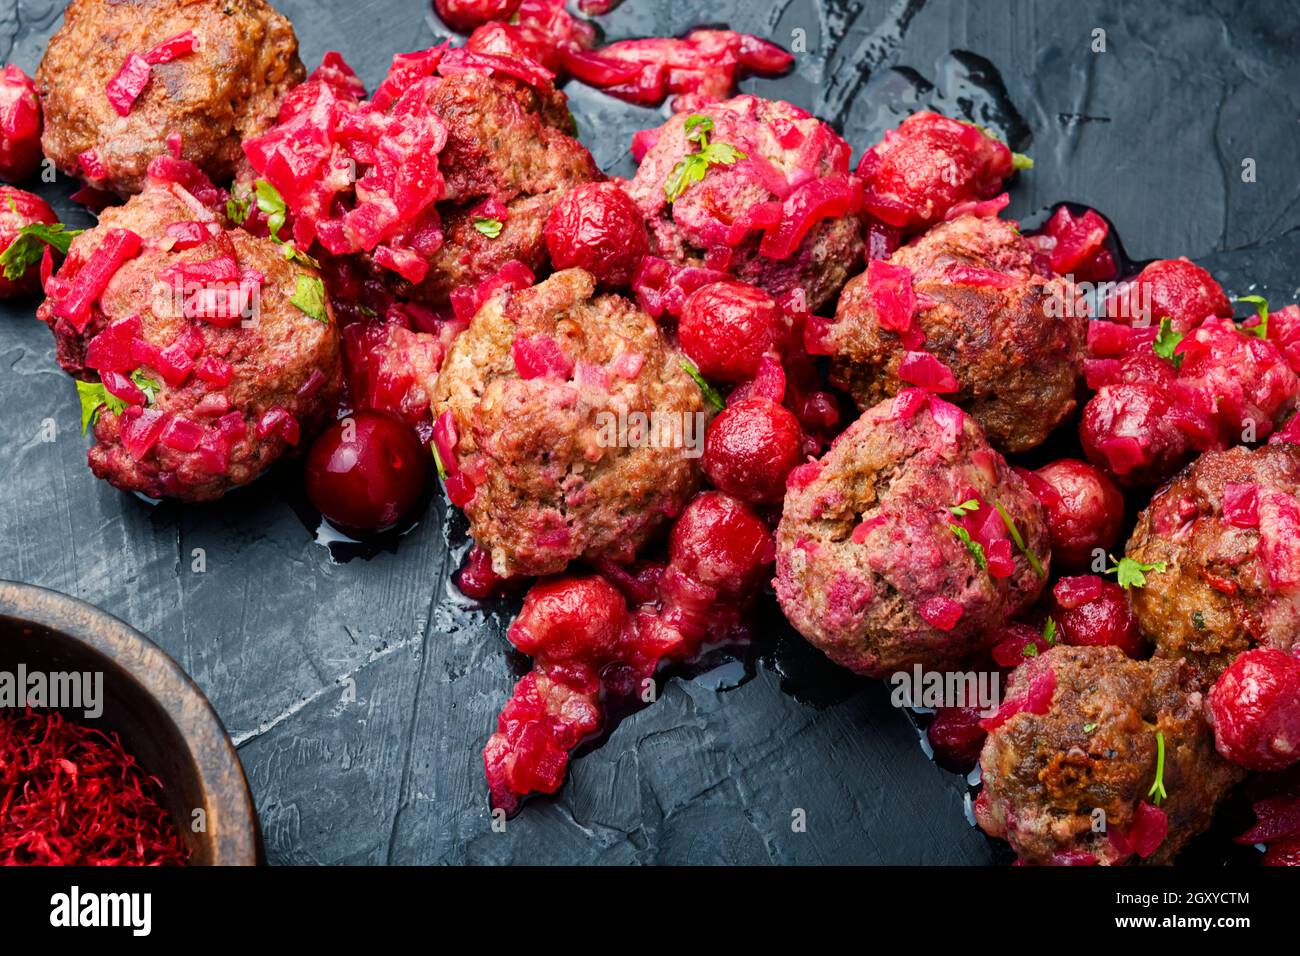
(227, 91)
(897, 475)
(1016, 352)
(1225, 588)
(1095, 748)
(552, 483)
(271, 359)
(684, 230)
(507, 142)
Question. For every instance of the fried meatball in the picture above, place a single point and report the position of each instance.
(221, 397)
(1068, 774)
(873, 565)
(227, 90)
(508, 145)
(1003, 330)
(544, 390)
(1227, 530)
(786, 149)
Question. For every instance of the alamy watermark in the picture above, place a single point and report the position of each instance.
(657, 429)
(54, 690)
(934, 689)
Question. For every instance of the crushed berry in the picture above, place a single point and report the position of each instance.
(20, 125)
(1255, 709)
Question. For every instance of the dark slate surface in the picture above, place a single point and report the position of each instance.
(1153, 132)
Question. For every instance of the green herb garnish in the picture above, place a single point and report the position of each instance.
(692, 167)
(1089, 728)
(146, 385)
(964, 508)
(1131, 573)
(709, 391)
(271, 203)
(489, 227)
(974, 547)
(94, 396)
(1198, 620)
(437, 461)
(29, 245)
(1158, 787)
(1261, 309)
(1165, 344)
(292, 252)
(1049, 631)
(1021, 161)
(237, 209)
(309, 297)
(1020, 541)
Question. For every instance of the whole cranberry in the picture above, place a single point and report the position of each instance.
(726, 328)
(464, 15)
(1085, 511)
(571, 619)
(19, 208)
(1091, 611)
(1176, 289)
(1129, 432)
(20, 125)
(721, 544)
(597, 227)
(750, 449)
(367, 472)
(1255, 709)
(957, 737)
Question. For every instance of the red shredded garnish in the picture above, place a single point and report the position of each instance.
(119, 246)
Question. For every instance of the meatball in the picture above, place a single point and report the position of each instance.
(1071, 760)
(573, 420)
(813, 241)
(203, 380)
(1227, 531)
(899, 547)
(510, 156)
(212, 98)
(1010, 336)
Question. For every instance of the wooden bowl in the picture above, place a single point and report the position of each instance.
(160, 714)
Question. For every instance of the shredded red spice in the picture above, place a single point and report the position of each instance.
(70, 795)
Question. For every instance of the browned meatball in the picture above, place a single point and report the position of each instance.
(871, 564)
(533, 387)
(985, 314)
(1227, 530)
(229, 397)
(1065, 778)
(213, 98)
(509, 143)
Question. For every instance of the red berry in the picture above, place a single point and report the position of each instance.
(20, 125)
(1128, 431)
(750, 449)
(367, 472)
(1085, 511)
(1176, 289)
(464, 15)
(1090, 611)
(597, 227)
(571, 619)
(1255, 709)
(957, 737)
(720, 543)
(726, 328)
(17, 209)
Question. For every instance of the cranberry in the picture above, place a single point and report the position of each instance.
(1128, 431)
(957, 737)
(720, 543)
(1175, 289)
(1085, 511)
(597, 227)
(577, 619)
(1255, 709)
(464, 15)
(18, 209)
(477, 580)
(1090, 611)
(20, 125)
(367, 472)
(750, 449)
(726, 328)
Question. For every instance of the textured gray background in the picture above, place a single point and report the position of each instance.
(1152, 132)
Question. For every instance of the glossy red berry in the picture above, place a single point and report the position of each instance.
(750, 449)
(957, 737)
(571, 619)
(597, 227)
(20, 125)
(1085, 512)
(1255, 709)
(464, 15)
(1128, 431)
(721, 544)
(1092, 611)
(19, 208)
(726, 327)
(367, 472)
(1176, 289)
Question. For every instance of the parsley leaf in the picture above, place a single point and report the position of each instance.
(94, 396)
(965, 507)
(1089, 728)
(709, 391)
(29, 245)
(271, 203)
(974, 547)
(1158, 787)
(146, 385)
(1261, 309)
(1021, 161)
(1020, 541)
(1165, 344)
(309, 297)
(292, 252)
(692, 167)
(237, 209)
(1049, 631)
(1132, 573)
(489, 227)
(698, 128)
